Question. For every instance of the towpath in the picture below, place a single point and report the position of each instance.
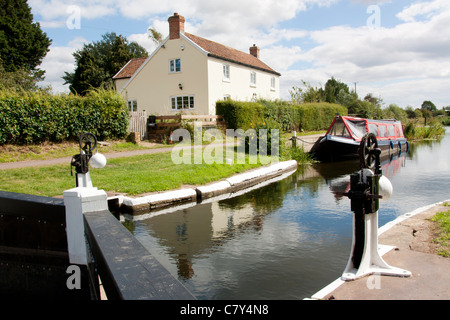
(66, 160)
(305, 141)
(411, 236)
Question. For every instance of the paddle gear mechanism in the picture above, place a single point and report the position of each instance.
(364, 194)
(87, 143)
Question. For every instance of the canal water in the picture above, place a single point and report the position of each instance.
(289, 239)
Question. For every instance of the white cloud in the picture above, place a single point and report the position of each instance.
(55, 13)
(281, 58)
(58, 60)
(143, 40)
(412, 54)
(412, 58)
(426, 9)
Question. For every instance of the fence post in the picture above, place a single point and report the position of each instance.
(79, 201)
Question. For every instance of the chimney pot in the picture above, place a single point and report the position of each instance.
(176, 26)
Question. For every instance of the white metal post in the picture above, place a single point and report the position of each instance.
(371, 261)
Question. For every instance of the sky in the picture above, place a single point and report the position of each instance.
(396, 50)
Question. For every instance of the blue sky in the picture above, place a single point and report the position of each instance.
(397, 50)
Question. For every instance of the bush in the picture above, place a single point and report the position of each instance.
(306, 116)
(261, 136)
(35, 117)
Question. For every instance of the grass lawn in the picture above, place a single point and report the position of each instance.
(131, 175)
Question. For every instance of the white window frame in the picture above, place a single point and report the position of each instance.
(180, 102)
(173, 65)
(132, 105)
(272, 83)
(253, 78)
(226, 72)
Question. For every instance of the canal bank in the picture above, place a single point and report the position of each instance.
(228, 186)
(406, 243)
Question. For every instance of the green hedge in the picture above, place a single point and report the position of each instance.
(27, 118)
(307, 116)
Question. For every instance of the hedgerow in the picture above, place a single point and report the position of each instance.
(35, 117)
(306, 116)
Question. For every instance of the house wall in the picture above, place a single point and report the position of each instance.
(238, 87)
(154, 85)
(120, 83)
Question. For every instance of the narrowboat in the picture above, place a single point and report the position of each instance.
(343, 138)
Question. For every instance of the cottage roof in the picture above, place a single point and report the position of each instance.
(130, 68)
(220, 51)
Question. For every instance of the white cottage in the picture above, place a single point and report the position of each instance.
(189, 74)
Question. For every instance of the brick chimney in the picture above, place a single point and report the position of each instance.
(176, 25)
(254, 51)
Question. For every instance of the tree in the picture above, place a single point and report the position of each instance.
(334, 89)
(373, 100)
(395, 112)
(19, 80)
(311, 94)
(23, 44)
(428, 105)
(98, 62)
(155, 35)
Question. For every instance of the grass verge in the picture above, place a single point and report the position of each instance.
(443, 234)
(132, 175)
(44, 151)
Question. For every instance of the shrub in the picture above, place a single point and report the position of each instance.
(262, 136)
(306, 116)
(35, 117)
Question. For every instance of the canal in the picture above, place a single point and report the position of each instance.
(289, 239)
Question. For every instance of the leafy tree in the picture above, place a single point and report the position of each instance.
(20, 80)
(98, 62)
(428, 105)
(310, 94)
(373, 100)
(155, 35)
(23, 44)
(334, 92)
(395, 112)
(335, 89)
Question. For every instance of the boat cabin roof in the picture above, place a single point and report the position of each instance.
(356, 128)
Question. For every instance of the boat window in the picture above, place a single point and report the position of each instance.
(358, 128)
(391, 131)
(383, 131)
(398, 131)
(373, 128)
(339, 129)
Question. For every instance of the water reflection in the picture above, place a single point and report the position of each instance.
(288, 239)
(192, 232)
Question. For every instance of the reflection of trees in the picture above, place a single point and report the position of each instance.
(263, 200)
(417, 145)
